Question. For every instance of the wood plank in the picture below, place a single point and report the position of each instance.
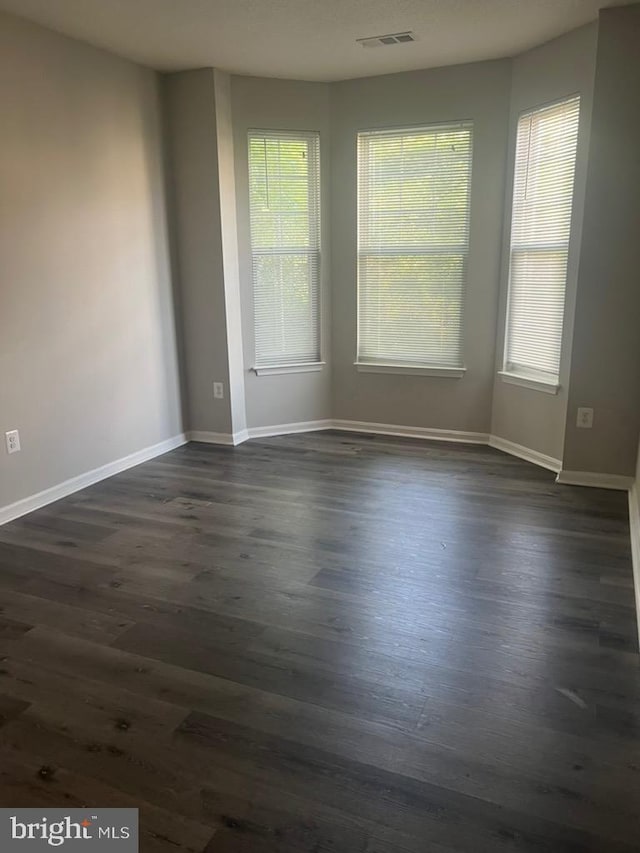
(328, 642)
(22, 785)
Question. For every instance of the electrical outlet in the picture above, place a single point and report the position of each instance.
(584, 419)
(13, 441)
(218, 390)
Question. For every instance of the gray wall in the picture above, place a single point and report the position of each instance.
(637, 479)
(88, 367)
(88, 363)
(479, 92)
(230, 259)
(563, 67)
(634, 524)
(605, 366)
(281, 105)
(197, 226)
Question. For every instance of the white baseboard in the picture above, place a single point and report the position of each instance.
(525, 453)
(634, 526)
(226, 438)
(595, 480)
(290, 429)
(75, 484)
(428, 433)
(578, 478)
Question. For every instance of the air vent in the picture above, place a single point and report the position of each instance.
(390, 38)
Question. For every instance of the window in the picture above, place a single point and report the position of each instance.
(540, 229)
(284, 197)
(413, 240)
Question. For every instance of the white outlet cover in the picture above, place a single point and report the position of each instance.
(13, 441)
(584, 419)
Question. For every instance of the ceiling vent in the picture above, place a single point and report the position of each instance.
(390, 38)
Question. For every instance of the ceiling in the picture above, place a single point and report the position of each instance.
(309, 39)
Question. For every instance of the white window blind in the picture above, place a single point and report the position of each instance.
(284, 195)
(413, 239)
(540, 229)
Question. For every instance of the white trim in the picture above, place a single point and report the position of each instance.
(415, 369)
(525, 453)
(573, 478)
(211, 437)
(578, 478)
(302, 367)
(428, 433)
(226, 438)
(289, 429)
(89, 478)
(634, 527)
(528, 382)
(595, 480)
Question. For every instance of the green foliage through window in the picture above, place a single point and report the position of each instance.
(284, 195)
(413, 237)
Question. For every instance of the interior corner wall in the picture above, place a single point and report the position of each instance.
(477, 92)
(558, 69)
(230, 259)
(190, 104)
(605, 367)
(270, 104)
(634, 529)
(88, 362)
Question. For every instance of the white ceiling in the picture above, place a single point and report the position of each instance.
(309, 39)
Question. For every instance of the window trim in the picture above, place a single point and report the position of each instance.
(301, 367)
(509, 372)
(410, 369)
(524, 381)
(290, 367)
(417, 368)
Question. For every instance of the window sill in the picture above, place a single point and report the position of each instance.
(527, 382)
(410, 369)
(303, 367)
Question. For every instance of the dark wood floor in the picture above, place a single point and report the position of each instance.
(327, 643)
